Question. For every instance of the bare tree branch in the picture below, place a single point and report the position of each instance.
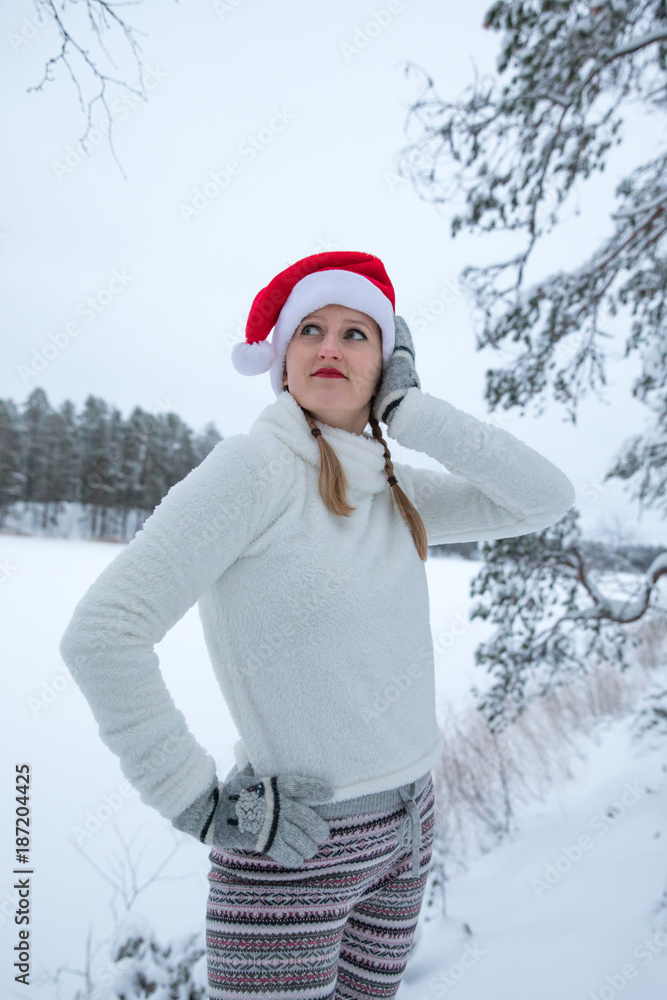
(102, 20)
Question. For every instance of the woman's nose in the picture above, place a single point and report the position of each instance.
(330, 344)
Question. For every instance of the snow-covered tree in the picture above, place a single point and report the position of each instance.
(512, 149)
(205, 442)
(553, 620)
(64, 464)
(140, 967)
(34, 420)
(130, 963)
(12, 476)
(112, 466)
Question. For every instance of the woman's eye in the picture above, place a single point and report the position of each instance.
(311, 326)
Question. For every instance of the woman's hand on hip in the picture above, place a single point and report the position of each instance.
(260, 814)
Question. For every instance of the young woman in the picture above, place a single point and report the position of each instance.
(304, 547)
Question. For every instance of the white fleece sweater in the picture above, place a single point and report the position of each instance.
(313, 622)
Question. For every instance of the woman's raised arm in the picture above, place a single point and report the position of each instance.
(496, 487)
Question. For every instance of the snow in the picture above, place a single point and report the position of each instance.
(566, 907)
(638, 43)
(72, 520)
(636, 208)
(555, 914)
(657, 567)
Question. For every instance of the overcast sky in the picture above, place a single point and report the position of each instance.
(137, 286)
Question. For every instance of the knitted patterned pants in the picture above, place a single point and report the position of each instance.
(339, 927)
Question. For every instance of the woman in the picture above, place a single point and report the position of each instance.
(304, 547)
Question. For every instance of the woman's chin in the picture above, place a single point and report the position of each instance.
(328, 400)
(322, 392)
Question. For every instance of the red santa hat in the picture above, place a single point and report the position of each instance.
(347, 278)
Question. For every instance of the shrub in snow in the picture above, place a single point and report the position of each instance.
(140, 967)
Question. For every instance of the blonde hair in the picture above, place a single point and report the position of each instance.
(333, 483)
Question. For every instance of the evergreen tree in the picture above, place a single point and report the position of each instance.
(12, 476)
(96, 485)
(134, 450)
(111, 466)
(513, 147)
(64, 461)
(205, 442)
(35, 433)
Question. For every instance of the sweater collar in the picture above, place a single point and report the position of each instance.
(361, 455)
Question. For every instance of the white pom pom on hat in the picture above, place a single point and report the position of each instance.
(255, 361)
(357, 280)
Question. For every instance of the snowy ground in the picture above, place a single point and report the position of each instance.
(564, 910)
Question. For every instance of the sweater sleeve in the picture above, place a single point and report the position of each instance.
(496, 487)
(198, 529)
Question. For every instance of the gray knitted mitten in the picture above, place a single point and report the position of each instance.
(399, 374)
(260, 814)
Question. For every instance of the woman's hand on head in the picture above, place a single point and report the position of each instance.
(398, 376)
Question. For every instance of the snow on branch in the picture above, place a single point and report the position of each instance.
(621, 611)
(638, 43)
(630, 210)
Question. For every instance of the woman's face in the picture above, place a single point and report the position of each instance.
(345, 341)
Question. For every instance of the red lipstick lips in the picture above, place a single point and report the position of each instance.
(329, 373)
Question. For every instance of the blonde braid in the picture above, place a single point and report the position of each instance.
(410, 513)
(333, 483)
(333, 480)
